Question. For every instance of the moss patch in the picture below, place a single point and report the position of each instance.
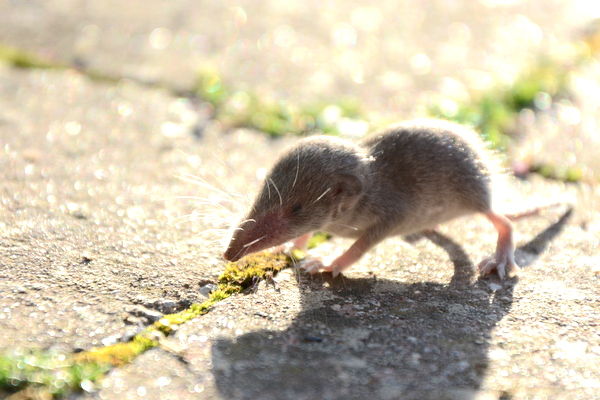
(494, 112)
(22, 59)
(50, 375)
(120, 353)
(47, 374)
(245, 108)
(317, 239)
(564, 174)
(235, 279)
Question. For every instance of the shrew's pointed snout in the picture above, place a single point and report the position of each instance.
(235, 252)
(232, 254)
(227, 256)
(256, 235)
(242, 239)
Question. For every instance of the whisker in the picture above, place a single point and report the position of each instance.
(204, 202)
(213, 213)
(201, 182)
(186, 216)
(254, 241)
(322, 194)
(347, 226)
(203, 199)
(214, 230)
(269, 188)
(297, 169)
(278, 193)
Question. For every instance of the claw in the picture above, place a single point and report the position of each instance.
(312, 266)
(315, 265)
(504, 260)
(505, 267)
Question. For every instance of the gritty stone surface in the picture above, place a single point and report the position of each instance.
(411, 321)
(92, 250)
(158, 375)
(92, 217)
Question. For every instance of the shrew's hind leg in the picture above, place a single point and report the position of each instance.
(504, 259)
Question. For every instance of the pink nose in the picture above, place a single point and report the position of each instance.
(228, 255)
(233, 254)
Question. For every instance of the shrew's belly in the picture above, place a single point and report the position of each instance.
(428, 219)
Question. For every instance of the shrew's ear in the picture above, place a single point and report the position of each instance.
(347, 185)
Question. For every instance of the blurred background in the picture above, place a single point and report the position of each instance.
(523, 72)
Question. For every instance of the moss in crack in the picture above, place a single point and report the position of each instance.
(494, 112)
(120, 353)
(22, 59)
(563, 174)
(50, 375)
(244, 273)
(246, 108)
(317, 239)
(44, 373)
(235, 279)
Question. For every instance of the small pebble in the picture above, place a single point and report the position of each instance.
(111, 340)
(129, 334)
(150, 315)
(207, 289)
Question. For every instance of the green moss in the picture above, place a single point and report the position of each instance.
(241, 108)
(55, 375)
(120, 353)
(49, 374)
(317, 239)
(564, 174)
(494, 112)
(210, 87)
(250, 269)
(22, 59)
(236, 278)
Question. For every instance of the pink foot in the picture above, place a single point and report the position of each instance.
(504, 259)
(504, 264)
(315, 265)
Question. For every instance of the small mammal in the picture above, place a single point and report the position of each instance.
(403, 180)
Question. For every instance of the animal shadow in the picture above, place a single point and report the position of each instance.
(376, 338)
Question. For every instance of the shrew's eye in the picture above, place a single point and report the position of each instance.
(296, 208)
